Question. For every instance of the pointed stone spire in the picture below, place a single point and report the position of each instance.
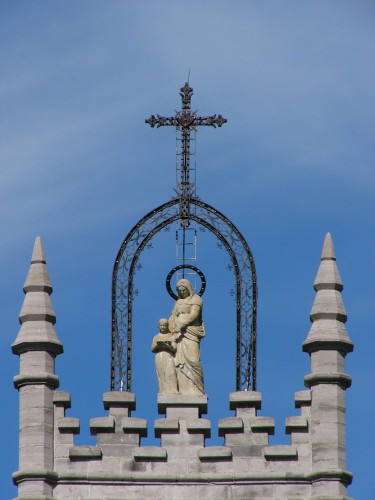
(328, 276)
(37, 346)
(37, 315)
(327, 344)
(38, 252)
(328, 313)
(328, 251)
(38, 278)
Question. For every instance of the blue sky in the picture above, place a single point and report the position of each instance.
(296, 159)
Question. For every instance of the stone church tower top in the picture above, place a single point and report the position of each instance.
(311, 467)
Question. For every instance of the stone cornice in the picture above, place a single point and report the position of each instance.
(321, 344)
(55, 347)
(23, 379)
(341, 379)
(43, 316)
(43, 474)
(261, 477)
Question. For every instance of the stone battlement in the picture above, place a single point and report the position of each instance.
(246, 466)
(245, 435)
(182, 456)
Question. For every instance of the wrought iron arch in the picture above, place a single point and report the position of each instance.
(123, 289)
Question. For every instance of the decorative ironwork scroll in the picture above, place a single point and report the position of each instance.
(123, 288)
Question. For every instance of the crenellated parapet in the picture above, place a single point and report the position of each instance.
(183, 464)
(183, 458)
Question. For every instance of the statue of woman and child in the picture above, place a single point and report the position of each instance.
(177, 359)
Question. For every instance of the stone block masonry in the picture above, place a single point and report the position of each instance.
(246, 466)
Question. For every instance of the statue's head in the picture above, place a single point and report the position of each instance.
(163, 325)
(184, 288)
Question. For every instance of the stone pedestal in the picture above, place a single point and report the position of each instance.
(183, 426)
(182, 405)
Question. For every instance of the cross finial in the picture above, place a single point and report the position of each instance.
(185, 121)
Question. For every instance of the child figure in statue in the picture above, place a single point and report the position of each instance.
(164, 346)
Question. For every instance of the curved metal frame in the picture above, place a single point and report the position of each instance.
(126, 264)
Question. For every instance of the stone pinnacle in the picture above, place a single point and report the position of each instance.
(328, 251)
(328, 314)
(37, 315)
(328, 276)
(38, 279)
(38, 252)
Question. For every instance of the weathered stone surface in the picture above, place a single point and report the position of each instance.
(215, 453)
(166, 425)
(182, 405)
(68, 424)
(134, 425)
(295, 423)
(280, 451)
(40, 485)
(37, 336)
(37, 306)
(230, 424)
(245, 399)
(302, 398)
(62, 398)
(328, 334)
(328, 304)
(263, 424)
(150, 453)
(85, 452)
(198, 425)
(102, 424)
(119, 399)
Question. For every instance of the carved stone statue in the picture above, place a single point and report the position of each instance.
(164, 345)
(186, 323)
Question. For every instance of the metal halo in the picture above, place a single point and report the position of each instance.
(185, 266)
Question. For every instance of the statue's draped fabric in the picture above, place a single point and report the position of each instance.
(164, 349)
(186, 321)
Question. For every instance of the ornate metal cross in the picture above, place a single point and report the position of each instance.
(185, 121)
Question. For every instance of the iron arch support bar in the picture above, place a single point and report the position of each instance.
(122, 289)
(249, 288)
(122, 293)
(236, 268)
